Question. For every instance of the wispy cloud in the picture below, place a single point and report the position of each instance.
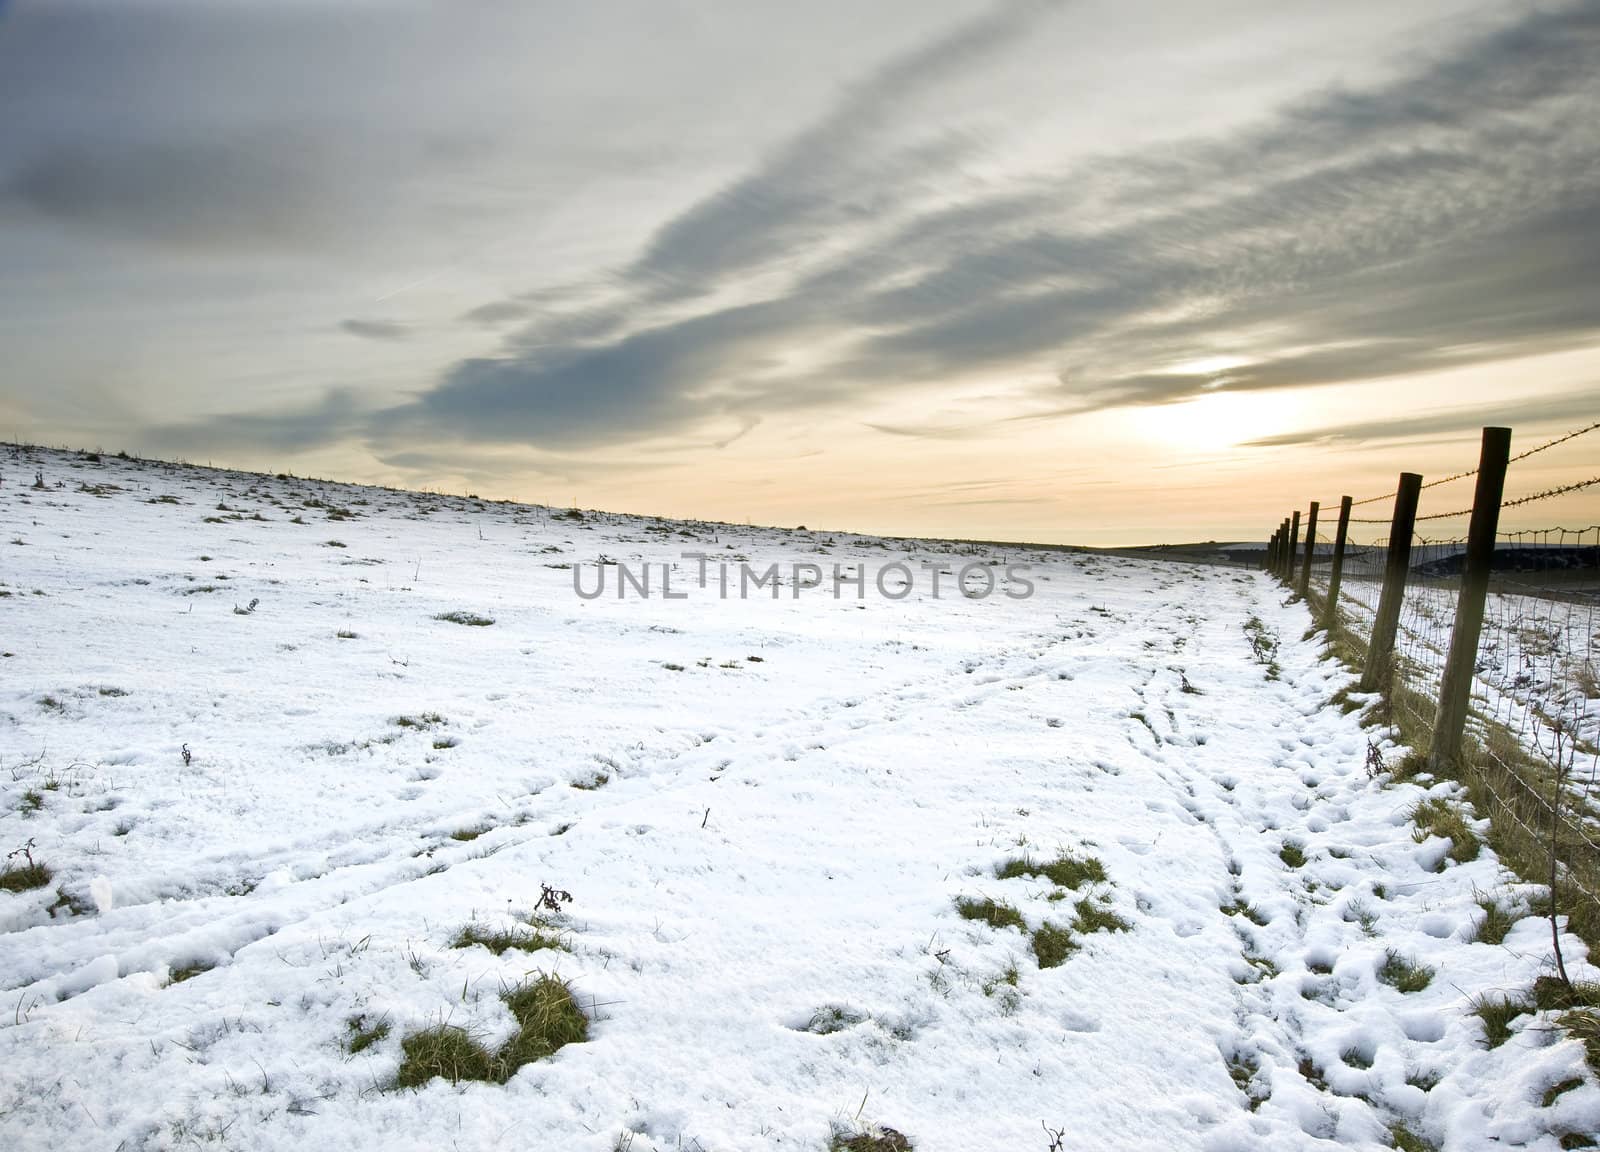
(1438, 215)
(375, 329)
(1440, 219)
(1563, 406)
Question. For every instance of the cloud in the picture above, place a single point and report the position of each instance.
(836, 174)
(1539, 410)
(335, 416)
(497, 312)
(929, 431)
(247, 192)
(617, 372)
(1439, 219)
(573, 397)
(375, 329)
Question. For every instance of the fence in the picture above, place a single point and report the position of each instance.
(1482, 644)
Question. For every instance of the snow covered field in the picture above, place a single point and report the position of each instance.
(266, 825)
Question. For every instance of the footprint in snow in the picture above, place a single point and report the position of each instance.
(1075, 1021)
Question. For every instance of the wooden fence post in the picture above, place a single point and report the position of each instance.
(1311, 550)
(1330, 615)
(1294, 551)
(1272, 551)
(1283, 547)
(1455, 687)
(1397, 563)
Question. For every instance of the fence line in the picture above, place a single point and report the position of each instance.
(1484, 648)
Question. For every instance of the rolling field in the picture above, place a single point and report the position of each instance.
(328, 781)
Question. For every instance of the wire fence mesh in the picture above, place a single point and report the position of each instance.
(1534, 714)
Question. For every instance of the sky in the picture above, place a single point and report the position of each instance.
(1100, 272)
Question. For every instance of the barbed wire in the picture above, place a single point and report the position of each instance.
(1548, 444)
(1517, 503)
(1548, 492)
(1552, 443)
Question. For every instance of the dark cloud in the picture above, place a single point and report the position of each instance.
(497, 312)
(262, 191)
(577, 396)
(470, 464)
(375, 329)
(334, 417)
(836, 175)
(1442, 219)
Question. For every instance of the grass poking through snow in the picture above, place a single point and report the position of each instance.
(1096, 916)
(995, 913)
(1496, 922)
(1066, 871)
(25, 878)
(1404, 974)
(1497, 1012)
(526, 938)
(548, 1019)
(363, 1035)
(873, 1139)
(1052, 945)
(1439, 817)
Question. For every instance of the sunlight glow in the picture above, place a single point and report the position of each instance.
(1219, 420)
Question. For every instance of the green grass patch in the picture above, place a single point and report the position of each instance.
(1404, 974)
(1052, 945)
(469, 619)
(1096, 916)
(1497, 1012)
(995, 913)
(426, 720)
(530, 937)
(1239, 907)
(1437, 816)
(25, 878)
(1293, 855)
(360, 1035)
(548, 1019)
(874, 1139)
(446, 1051)
(188, 972)
(1495, 923)
(1552, 994)
(1556, 1091)
(1065, 870)
(1406, 1140)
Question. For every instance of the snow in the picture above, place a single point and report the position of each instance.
(786, 820)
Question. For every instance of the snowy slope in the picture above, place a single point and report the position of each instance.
(764, 811)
